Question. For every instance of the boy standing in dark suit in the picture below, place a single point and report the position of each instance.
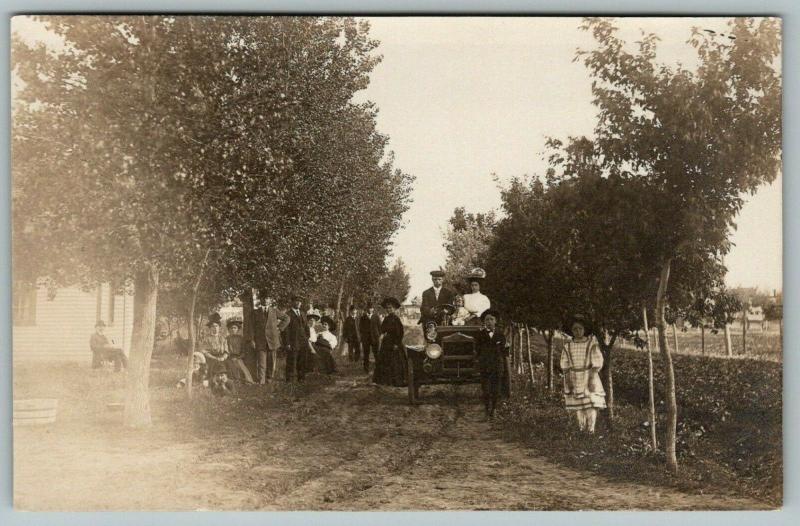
(490, 350)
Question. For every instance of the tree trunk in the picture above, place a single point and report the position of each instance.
(530, 357)
(339, 299)
(249, 351)
(549, 335)
(137, 396)
(650, 385)
(703, 339)
(672, 406)
(192, 347)
(192, 334)
(606, 371)
(744, 331)
(248, 332)
(513, 353)
(728, 346)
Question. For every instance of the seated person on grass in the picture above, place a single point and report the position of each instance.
(198, 371)
(221, 385)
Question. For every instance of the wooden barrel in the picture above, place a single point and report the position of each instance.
(35, 411)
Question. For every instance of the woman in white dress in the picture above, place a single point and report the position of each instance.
(475, 302)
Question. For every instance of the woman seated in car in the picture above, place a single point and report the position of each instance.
(475, 302)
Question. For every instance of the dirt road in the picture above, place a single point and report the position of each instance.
(340, 445)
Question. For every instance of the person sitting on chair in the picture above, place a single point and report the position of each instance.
(214, 347)
(236, 366)
(103, 349)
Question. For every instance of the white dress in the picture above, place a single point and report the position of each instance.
(476, 303)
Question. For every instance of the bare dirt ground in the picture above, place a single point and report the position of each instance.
(332, 444)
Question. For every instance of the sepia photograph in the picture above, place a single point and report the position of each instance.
(381, 263)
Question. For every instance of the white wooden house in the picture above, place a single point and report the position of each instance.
(59, 327)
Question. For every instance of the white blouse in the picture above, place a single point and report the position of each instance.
(330, 337)
(476, 303)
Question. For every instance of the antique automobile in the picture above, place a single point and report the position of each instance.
(448, 356)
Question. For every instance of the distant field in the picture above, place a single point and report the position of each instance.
(764, 345)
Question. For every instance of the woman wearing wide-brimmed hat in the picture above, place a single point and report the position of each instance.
(390, 362)
(581, 361)
(475, 302)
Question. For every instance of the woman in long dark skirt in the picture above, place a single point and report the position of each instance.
(390, 363)
(325, 345)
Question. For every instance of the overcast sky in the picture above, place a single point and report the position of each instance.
(465, 98)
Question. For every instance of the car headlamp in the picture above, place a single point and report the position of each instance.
(430, 333)
(433, 351)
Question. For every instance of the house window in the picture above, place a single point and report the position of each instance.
(24, 303)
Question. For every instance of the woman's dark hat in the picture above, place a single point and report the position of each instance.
(490, 312)
(578, 318)
(329, 321)
(233, 321)
(213, 318)
(390, 301)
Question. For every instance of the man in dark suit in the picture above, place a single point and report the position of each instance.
(435, 296)
(365, 331)
(296, 340)
(351, 335)
(490, 347)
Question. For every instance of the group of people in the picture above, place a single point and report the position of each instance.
(581, 359)
(306, 338)
(309, 341)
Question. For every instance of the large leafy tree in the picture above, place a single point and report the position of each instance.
(160, 148)
(697, 139)
(466, 242)
(525, 263)
(396, 283)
